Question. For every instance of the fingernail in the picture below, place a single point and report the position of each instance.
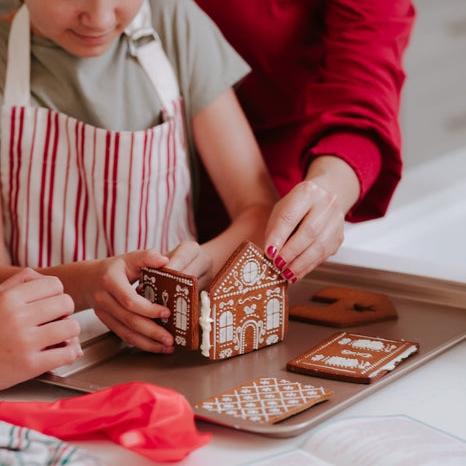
(288, 274)
(165, 314)
(280, 263)
(271, 251)
(294, 279)
(80, 353)
(168, 349)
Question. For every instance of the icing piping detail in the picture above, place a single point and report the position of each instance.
(205, 321)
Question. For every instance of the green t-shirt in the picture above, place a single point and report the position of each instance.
(112, 91)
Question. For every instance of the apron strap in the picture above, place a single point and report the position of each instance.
(18, 73)
(152, 57)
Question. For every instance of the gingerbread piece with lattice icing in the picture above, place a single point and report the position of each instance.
(345, 307)
(353, 358)
(244, 308)
(265, 400)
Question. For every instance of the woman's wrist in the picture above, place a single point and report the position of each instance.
(337, 177)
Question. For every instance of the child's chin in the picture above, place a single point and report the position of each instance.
(86, 51)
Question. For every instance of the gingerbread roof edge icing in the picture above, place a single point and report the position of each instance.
(223, 274)
(170, 273)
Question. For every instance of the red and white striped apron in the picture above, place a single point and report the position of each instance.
(73, 192)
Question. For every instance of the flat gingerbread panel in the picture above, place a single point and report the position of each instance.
(345, 307)
(248, 304)
(265, 400)
(180, 293)
(353, 358)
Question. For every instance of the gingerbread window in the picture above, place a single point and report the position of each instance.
(250, 272)
(181, 307)
(273, 313)
(226, 327)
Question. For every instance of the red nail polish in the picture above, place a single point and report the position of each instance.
(294, 279)
(280, 263)
(271, 252)
(288, 274)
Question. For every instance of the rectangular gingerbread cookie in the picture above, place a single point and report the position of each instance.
(353, 358)
(180, 293)
(266, 400)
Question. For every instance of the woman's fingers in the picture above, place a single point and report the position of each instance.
(310, 229)
(131, 337)
(286, 216)
(324, 246)
(303, 230)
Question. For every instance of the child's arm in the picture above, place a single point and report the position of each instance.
(35, 334)
(232, 158)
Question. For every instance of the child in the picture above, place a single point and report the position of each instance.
(95, 172)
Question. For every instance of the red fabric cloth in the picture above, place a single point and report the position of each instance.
(326, 79)
(152, 421)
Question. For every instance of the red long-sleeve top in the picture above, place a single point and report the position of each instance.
(326, 80)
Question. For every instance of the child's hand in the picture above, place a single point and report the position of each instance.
(117, 304)
(190, 258)
(36, 334)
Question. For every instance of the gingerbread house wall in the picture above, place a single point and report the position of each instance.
(249, 306)
(180, 294)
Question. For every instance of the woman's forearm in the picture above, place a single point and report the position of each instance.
(337, 177)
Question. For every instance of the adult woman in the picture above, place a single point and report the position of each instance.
(323, 100)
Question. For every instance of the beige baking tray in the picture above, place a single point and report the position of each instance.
(431, 312)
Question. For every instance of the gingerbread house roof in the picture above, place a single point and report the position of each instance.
(228, 280)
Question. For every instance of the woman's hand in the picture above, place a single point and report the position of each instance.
(192, 259)
(117, 304)
(37, 333)
(307, 225)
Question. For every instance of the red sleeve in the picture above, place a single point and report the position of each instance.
(358, 94)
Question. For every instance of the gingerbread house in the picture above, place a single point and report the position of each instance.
(244, 308)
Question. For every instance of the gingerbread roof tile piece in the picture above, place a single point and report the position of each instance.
(244, 308)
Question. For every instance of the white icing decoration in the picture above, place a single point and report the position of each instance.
(394, 362)
(344, 341)
(149, 293)
(271, 339)
(356, 353)
(338, 361)
(165, 297)
(226, 353)
(248, 310)
(205, 321)
(368, 344)
(180, 341)
(318, 357)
